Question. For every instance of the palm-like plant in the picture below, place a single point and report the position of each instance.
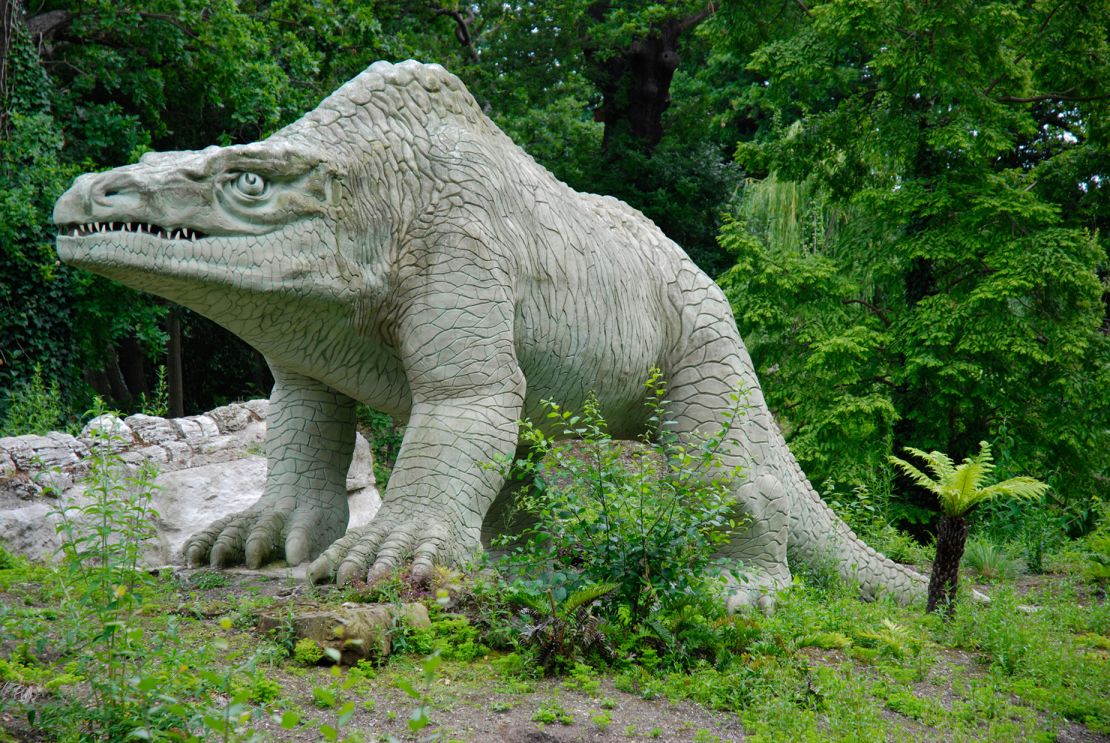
(959, 489)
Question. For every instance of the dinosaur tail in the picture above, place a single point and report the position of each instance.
(818, 535)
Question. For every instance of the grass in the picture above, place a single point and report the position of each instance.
(824, 666)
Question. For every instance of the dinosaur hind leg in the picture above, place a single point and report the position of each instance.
(714, 367)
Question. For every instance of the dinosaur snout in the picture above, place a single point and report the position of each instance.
(97, 197)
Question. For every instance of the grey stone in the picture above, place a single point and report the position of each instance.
(152, 429)
(232, 418)
(355, 631)
(213, 477)
(34, 452)
(107, 429)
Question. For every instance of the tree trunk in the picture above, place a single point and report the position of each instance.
(636, 85)
(175, 389)
(951, 538)
(132, 364)
(121, 395)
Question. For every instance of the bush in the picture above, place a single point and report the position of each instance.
(647, 517)
(33, 407)
(307, 652)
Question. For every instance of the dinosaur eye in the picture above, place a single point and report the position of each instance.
(251, 184)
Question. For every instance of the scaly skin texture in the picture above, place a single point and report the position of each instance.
(394, 247)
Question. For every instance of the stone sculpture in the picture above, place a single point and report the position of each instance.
(393, 246)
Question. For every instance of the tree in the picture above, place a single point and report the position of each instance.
(943, 170)
(958, 491)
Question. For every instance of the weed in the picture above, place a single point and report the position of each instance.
(646, 518)
(307, 652)
(551, 712)
(602, 721)
(33, 407)
(419, 719)
(157, 403)
(208, 579)
(991, 562)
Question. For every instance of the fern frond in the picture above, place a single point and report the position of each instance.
(585, 596)
(940, 463)
(914, 473)
(1023, 488)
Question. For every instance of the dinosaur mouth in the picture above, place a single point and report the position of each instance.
(143, 228)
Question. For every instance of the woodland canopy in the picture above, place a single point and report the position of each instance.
(907, 202)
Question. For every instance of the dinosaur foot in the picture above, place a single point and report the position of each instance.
(757, 590)
(265, 532)
(385, 544)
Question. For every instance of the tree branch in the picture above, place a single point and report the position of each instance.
(462, 29)
(876, 310)
(47, 23)
(1018, 58)
(1052, 97)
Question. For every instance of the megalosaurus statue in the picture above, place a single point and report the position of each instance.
(393, 246)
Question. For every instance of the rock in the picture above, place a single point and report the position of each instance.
(32, 453)
(108, 429)
(209, 466)
(232, 418)
(195, 427)
(151, 429)
(356, 631)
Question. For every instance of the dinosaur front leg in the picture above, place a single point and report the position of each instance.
(310, 438)
(439, 492)
(456, 341)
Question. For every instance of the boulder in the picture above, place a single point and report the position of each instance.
(354, 631)
(209, 466)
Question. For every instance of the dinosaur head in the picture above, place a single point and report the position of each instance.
(246, 216)
(313, 210)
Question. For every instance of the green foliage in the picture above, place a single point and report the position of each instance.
(32, 407)
(647, 518)
(385, 437)
(960, 488)
(560, 632)
(307, 653)
(920, 248)
(158, 403)
(990, 562)
(551, 712)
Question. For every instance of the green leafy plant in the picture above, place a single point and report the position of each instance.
(552, 712)
(564, 630)
(646, 517)
(991, 562)
(307, 652)
(102, 584)
(158, 402)
(958, 490)
(33, 406)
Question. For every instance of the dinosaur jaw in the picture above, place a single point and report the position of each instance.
(92, 229)
(188, 266)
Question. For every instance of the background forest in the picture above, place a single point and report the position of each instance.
(907, 202)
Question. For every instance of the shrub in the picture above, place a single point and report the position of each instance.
(307, 652)
(33, 407)
(645, 517)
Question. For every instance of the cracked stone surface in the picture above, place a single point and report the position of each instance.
(203, 475)
(394, 247)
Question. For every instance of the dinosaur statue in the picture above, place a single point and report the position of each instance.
(393, 246)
